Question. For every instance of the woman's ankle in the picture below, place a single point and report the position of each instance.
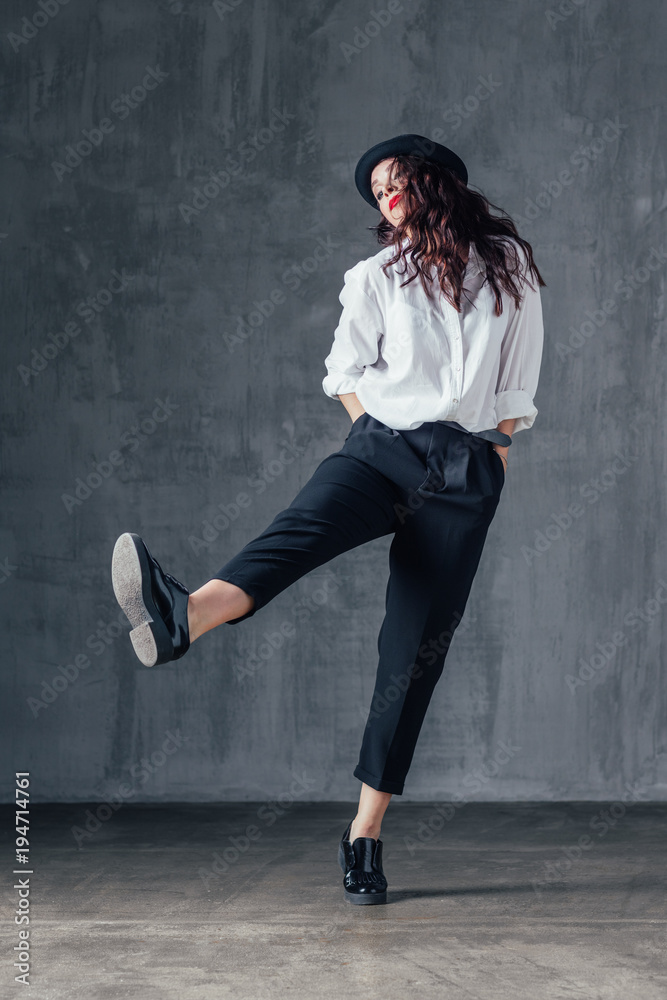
(214, 604)
(364, 828)
(193, 624)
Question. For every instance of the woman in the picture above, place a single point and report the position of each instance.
(436, 359)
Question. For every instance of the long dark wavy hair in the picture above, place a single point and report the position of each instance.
(445, 216)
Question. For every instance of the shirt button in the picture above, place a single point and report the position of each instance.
(455, 400)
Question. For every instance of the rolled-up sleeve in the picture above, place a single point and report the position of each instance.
(356, 339)
(520, 360)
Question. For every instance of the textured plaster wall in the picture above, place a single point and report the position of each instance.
(130, 281)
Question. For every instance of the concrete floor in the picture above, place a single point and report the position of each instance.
(503, 901)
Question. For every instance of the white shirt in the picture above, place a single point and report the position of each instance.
(412, 360)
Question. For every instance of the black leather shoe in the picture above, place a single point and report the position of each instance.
(155, 603)
(361, 862)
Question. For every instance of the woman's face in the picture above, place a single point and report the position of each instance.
(387, 191)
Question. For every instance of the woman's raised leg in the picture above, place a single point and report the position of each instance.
(345, 503)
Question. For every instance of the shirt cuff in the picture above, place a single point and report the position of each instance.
(516, 404)
(334, 385)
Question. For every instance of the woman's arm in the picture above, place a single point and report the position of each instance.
(506, 427)
(356, 338)
(351, 404)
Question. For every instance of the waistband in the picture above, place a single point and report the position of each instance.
(492, 434)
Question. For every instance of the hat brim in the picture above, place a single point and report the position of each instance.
(404, 145)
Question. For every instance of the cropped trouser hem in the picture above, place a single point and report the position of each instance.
(239, 581)
(379, 784)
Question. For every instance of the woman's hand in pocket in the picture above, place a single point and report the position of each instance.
(503, 459)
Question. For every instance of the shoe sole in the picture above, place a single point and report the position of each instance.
(130, 576)
(363, 898)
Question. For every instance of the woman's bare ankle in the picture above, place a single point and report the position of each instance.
(194, 628)
(361, 828)
(214, 604)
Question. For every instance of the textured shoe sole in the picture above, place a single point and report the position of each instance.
(130, 577)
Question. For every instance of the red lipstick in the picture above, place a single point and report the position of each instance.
(393, 201)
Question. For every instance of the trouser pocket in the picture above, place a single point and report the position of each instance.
(386, 449)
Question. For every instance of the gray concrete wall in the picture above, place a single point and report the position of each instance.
(125, 273)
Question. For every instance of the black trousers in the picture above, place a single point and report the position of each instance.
(436, 489)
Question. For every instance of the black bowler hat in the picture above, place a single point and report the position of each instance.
(404, 145)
